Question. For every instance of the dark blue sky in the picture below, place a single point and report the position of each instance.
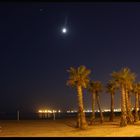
(34, 55)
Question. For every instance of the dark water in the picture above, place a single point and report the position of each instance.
(37, 116)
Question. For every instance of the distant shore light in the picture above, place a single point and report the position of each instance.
(40, 111)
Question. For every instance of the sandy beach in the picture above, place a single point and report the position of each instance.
(65, 128)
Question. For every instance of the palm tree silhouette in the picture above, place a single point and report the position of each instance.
(78, 78)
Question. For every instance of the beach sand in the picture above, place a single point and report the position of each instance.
(65, 128)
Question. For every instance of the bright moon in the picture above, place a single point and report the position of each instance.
(64, 30)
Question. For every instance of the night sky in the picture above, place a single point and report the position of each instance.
(34, 54)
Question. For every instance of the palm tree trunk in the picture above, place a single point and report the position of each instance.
(99, 106)
(129, 99)
(123, 121)
(130, 119)
(136, 117)
(130, 108)
(112, 108)
(93, 109)
(126, 102)
(78, 120)
(83, 123)
(139, 105)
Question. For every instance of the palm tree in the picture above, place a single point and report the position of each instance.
(111, 87)
(124, 79)
(128, 87)
(138, 109)
(139, 105)
(91, 89)
(117, 76)
(98, 88)
(94, 88)
(136, 91)
(139, 99)
(78, 78)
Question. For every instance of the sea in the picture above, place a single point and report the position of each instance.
(42, 116)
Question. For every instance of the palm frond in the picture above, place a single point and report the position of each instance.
(78, 76)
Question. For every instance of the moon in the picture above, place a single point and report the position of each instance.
(64, 30)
